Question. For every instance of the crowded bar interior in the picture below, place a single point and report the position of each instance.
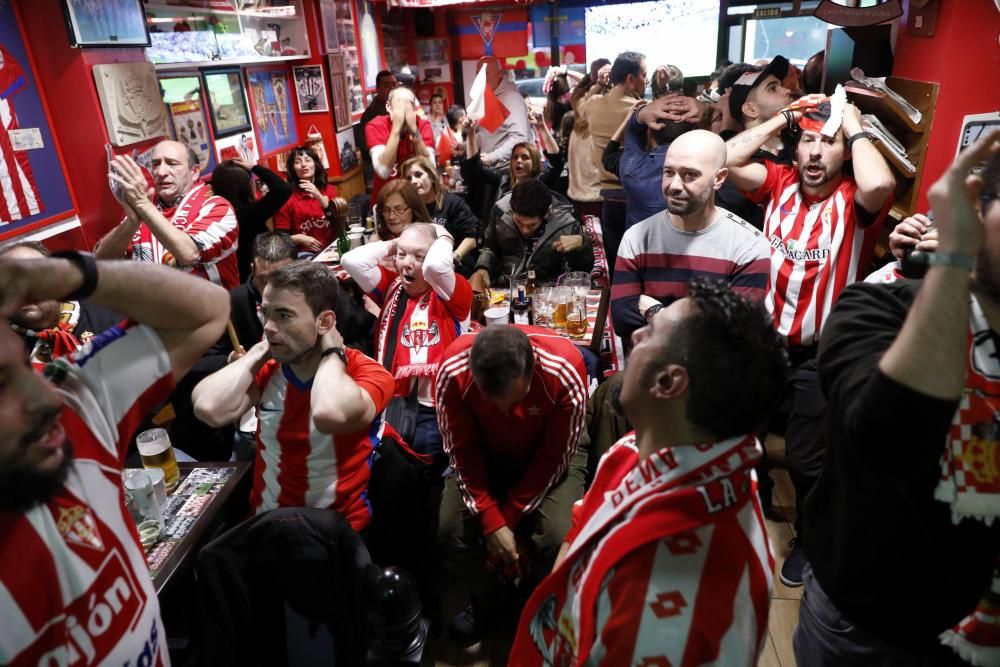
(478, 332)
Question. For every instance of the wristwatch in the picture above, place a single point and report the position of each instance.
(953, 260)
(339, 351)
(855, 137)
(652, 310)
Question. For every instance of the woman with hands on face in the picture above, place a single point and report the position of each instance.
(313, 216)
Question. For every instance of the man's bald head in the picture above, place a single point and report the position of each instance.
(422, 232)
(693, 169)
(494, 70)
(401, 93)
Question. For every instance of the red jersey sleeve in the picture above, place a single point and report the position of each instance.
(377, 132)
(458, 435)
(775, 174)
(215, 230)
(460, 303)
(371, 377)
(565, 371)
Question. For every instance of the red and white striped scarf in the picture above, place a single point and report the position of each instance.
(970, 481)
(634, 502)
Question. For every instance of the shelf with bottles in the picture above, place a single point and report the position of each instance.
(213, 32)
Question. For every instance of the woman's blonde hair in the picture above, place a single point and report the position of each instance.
(536, 160)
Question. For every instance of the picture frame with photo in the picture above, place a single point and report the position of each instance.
(227, 101)
(310, 89)
(339, 86)
(328, 23)
(113, 23)
(271, 106)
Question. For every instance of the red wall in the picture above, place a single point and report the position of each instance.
(66, 80)
(964, 57)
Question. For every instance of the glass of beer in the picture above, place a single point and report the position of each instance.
(560, 299)
(576, 318)
(156, 452)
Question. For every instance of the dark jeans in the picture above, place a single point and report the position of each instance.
(804, 446)
(826, 638)
(460, 533)
(614, 214)
(427, 440)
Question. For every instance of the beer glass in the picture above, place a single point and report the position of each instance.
(576, 318)
(156, 452)
(140, 497)
(561, 299)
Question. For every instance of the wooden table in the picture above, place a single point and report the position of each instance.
(208, 494)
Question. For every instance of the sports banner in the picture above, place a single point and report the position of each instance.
(491, 32)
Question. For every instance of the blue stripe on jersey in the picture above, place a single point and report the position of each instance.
(99, 342)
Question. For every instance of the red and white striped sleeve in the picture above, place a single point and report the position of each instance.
(214, 230)
(567, 376)
(118, 378)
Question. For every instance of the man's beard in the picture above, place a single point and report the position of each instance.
(691, 204)
(22, 486)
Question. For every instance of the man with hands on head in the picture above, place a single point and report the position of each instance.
(62, 445)
(916, 233)
(318, 403)
(820, 224)
(395, 138)
(181, 224)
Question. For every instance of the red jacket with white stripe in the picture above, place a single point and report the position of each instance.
(543, 429)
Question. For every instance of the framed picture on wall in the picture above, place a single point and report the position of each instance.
(106, 23)
(227, 101)
(339, 90)
(183, 97)
(310, 89)
(328, 21)
(271, 99)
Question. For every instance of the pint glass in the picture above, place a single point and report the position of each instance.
(156, 452)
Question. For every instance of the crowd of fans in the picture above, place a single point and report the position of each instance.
(620, 515)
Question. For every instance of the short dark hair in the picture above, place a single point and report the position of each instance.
(37, 246)
(274, 247)
(670, 131)
(530, 198)
(438, 96)
(232, 182)
(500, 355)
(732, 73)
(317, 283)
(627, 62)
(727, 341)
(319, 175)
(454, 116)
(381, 75)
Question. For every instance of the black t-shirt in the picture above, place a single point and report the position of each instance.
(883, 549)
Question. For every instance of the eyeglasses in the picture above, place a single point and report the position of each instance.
(394, 212)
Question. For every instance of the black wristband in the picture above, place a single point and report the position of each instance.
(88, 267)
(339, 351)
(854, 137)
(789, 119)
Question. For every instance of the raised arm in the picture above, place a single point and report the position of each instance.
(439, 265)
(279, 191)
(187, 313)
(871, 171)
(225, 395)
(341, 402)
(743, 171)
(362, 263)
(929, 353)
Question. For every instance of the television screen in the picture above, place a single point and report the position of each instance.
(684, 33)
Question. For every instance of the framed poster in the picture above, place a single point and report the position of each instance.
(328, 22)
(347, 151)
(272, 108)
(310, 89)
(371, 61)
(184, 99)
(33, 190)
(227, 101)
(242, 146)
(342, 111)
(106, 23)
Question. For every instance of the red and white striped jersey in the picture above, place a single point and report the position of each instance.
(818, 247)
(211, 223)
(74, 585)
(668, 564)
(19, 196)
(297, 466)
(544, 428)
